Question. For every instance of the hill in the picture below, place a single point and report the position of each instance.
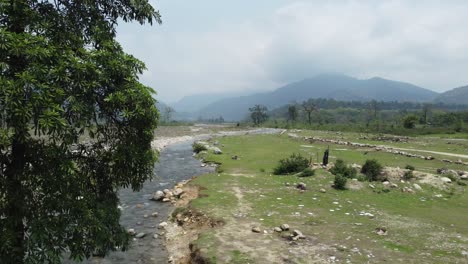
(457, 96)
(329, 86)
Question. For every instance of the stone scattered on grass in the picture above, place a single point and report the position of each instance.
(284, 227)
(446, 180)
(381, 231)
(277, 229)
(417, 187)
(256, 229)
(322, 190)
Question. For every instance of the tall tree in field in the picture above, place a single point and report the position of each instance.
(63, 77)
(293, 113)
(258, 114)
(168, 111)
(309, 107)
(426, 112)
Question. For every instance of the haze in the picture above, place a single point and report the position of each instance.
(212, 46)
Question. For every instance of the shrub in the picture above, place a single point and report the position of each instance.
(410, 121)
(408, 175)
(340, 167)
(294, 164)
(197, 147)
(410, 167)
(372, 170)
(307, 173)
(340, 182)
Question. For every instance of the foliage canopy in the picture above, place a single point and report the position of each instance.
(63, 77)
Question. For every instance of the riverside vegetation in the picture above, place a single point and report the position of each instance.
(394, 208)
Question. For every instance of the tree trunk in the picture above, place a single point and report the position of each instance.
(15, 207)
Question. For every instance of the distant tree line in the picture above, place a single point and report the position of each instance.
(373, 115)
(213, 120)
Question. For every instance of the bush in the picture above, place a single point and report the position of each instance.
(408, 175)
(197, 147)
(294, 164)
(372, 170)
(410, 121)
(410, 167)
(341, 168)
(307, 173)
(340, 182)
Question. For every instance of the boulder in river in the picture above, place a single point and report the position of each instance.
(158, 196)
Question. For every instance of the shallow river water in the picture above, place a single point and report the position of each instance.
(175, 164)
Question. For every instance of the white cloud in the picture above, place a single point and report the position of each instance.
(423, 42)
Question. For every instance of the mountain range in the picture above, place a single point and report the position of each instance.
(330, 86)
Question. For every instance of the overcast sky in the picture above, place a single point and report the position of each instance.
(217, 46)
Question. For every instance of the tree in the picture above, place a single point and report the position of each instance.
(168, 111)
(258, 113)
(64, 78)
(426, 111)
(410, 121)
(293, 112)
(309, 107)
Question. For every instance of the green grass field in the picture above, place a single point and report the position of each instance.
(339, 225)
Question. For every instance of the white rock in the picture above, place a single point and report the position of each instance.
(417, 187)
(162, 225)
(178, 192)
(140, 235)
(446, 180)
(131, 231)
(158, 196)
(284, 227)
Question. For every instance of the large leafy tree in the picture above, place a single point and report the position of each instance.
(75, 126)
(258, 114)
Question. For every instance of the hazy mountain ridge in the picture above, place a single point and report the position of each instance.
(329, 86)
(455, 96)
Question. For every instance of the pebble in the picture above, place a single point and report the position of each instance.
(284, 227)
(140, 235)
(162, 225)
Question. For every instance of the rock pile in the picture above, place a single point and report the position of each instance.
(167, 195)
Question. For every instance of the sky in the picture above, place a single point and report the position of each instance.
(246, 46)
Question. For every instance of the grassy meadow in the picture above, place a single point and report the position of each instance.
(428, 226)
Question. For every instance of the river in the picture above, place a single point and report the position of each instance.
(175, 164)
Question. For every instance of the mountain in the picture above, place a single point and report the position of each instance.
(457, 96)
(330, 86)
(194, 103)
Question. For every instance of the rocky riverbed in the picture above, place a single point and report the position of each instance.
(138, 212)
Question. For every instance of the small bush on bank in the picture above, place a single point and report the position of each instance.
(372, 169)
(410, 167)
(307, 173)
(294, 164)
(197, 147)
(341, 168)
(340, 182)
